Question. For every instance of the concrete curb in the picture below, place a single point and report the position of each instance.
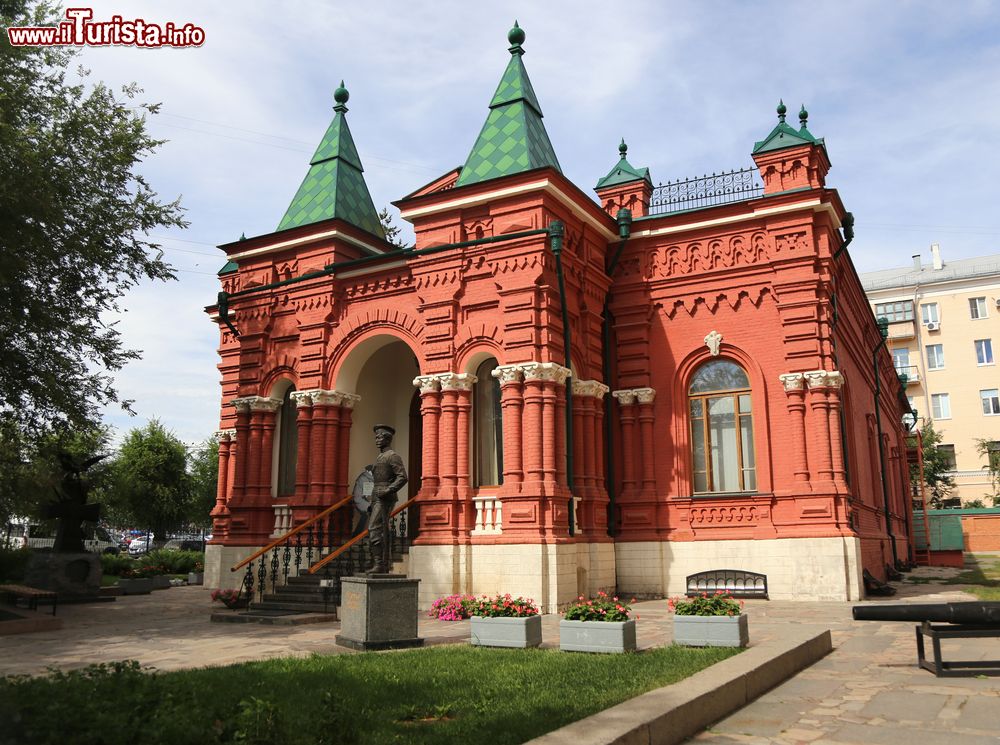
(674, 713)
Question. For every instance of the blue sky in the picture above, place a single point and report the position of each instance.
(906, 94)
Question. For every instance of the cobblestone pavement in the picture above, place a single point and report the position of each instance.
(868, 690)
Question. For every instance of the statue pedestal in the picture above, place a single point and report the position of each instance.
(378, 611)
(74, 577)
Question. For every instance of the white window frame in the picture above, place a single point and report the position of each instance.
(939, 411)
(990, 398)
(938, 357)
(986, 358)
(929, 313)
(974, 307)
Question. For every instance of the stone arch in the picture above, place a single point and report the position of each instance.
(356, 329)
(475, 338)
(285, 368)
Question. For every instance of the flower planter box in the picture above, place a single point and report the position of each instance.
(161, 582)
(142, 586)
(506, 632)
(196, 578)
(597, 636)
(711, 631)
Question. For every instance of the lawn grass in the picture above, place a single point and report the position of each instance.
(445, 694)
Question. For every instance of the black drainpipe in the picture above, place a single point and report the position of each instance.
(556, 232)
(883, 328)
(624, 218)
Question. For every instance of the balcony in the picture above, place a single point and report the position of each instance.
(909, 373)
(902, 330)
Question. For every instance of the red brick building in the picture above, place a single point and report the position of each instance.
(710, 339)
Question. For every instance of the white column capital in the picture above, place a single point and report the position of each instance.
(457, 381)
(303, 399)
(348, 400)
(545, 371)
(824, 379)
(508, 373)
(644, 395)
(242, 405)
(626, 396)
(225, 435)
(792, 381)
(427, 383)
(263, 403)
(591, 388)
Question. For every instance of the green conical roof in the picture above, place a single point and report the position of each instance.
(783, 135)
(513, 140)
(335, 185)
(624, 172)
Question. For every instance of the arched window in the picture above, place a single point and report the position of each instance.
(488, 426)
(288, 444)
(722, 428)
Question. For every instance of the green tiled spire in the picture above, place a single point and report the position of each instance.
(335, 185)
(624, 172)
(784, 135)
(513, 139)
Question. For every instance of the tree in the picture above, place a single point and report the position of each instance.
(937, 466)
(204, 470)
(392, 230)
(990, 450)
(74, 213)
(150, 481)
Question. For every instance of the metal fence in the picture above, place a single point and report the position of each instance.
(708, 191)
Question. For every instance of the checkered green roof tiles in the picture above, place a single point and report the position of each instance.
(335, 185)
(513, 139)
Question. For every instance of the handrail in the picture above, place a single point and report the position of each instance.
(290, 533)
(333, 555)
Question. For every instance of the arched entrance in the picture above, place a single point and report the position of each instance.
(381, 370)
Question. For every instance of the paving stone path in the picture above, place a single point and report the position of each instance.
(868, 690)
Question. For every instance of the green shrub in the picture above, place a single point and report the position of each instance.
(13, 562)
(177, 562)
(116, 564)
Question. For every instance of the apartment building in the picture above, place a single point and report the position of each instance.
(944, 334)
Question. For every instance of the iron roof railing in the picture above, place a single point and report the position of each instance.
(707, 191)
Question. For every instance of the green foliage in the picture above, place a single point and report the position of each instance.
(75, 216)
(937, 464)
(13, 562)
(392, 231)
(462, 692)
(203, 468)
(116, 564)
(500, 606)
(975, 504)
(150, 481)
(719, 603)
(988, 450)
(602, 608)
(144, 569)
(177, 562)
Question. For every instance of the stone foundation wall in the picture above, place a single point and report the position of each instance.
(218, 561)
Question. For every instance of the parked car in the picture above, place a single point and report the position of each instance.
(140, 545)
(185, 544)
(41, 535)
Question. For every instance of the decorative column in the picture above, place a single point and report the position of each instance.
(462, 383)
(511, 403)
(644, 399)
(303, 404)
(265, 409)
(430, 413)
(225, 438)
(834, 382)
(241, 471)
(549, 443)
(626, 400)
(234, 458)
(448, 435)
(794, 384)
(583, 457)
(598, 439)
(533, 440)
(331, 448)
(816, 380)
(317, 444)
(343, 455)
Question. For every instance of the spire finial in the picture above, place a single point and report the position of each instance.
(243, 236)
(781, 111)
(803, 116)
(623, 148)
(341, 96)
(516, 38)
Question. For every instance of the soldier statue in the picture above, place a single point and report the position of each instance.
(389, 476)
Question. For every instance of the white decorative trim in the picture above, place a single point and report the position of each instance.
(427, 383)
(815, 378)
(834, 379)
(348, 400)
(713, 340)
(792, 381)
(590, 388)
(327, 398)
(242, 405)
(815, 204)
(303, 399)
(508, 374)
(305, 239)
(457, 381)
(263, 403)
(626, 396)
(548, 371)
(644, 395)
(225, 435)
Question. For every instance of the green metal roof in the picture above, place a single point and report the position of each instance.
(784, 135)
(335, 185)
(229, 267)
(624, 172)
(513, 139)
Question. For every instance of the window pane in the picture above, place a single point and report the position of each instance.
(984, 352)
(940, 406)
(488, 433)
(722, 430)
(698, 448)
(929, 312)
(745, 404)
(719, 375)
(991, 401)
(935, 356)
(977, 307)
(288, 445)
(749, 462)
(947, 456)
(696, 406)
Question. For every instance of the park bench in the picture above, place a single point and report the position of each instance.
(737, 582)
(31, 594)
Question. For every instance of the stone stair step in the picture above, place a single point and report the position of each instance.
(296, 607)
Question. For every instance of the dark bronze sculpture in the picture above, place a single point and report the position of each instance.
(70, 507)
(390, 476)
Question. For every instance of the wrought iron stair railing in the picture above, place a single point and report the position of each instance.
(343, 559)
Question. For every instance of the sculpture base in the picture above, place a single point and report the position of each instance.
(378, 611)
(74, 577)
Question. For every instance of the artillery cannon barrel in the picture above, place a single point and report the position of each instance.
(977, 614)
